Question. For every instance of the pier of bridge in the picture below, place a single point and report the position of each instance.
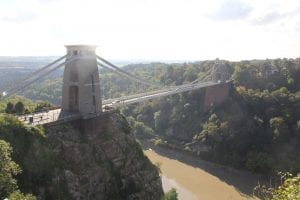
(81, 84)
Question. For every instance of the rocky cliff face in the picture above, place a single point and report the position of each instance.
(96, 159)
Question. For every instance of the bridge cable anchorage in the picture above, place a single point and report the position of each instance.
(28, 82)
(128, 74)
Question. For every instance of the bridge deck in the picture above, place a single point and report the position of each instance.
(56, 114)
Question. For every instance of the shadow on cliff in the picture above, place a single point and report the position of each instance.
(242, 180)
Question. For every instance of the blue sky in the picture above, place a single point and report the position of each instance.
(153, 29)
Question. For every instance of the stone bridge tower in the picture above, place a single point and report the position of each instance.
(221, 71)
(81, 88)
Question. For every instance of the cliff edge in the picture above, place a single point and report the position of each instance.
(96, 158)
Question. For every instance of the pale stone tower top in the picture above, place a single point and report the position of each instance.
(81, 47)
(81, 50)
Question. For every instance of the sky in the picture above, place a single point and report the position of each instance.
(153, 29)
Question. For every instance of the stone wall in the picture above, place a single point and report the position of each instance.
(216, 94)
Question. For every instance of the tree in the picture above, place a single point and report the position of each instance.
(43, 105)
(143, 131)
(279, 127)
(171, 195)
(211, 131)
(258, 162)
(17, 195)
(19, 107)
(242, 76)
(290, 189)
(8, 169)
(9, 108)
(190, 74)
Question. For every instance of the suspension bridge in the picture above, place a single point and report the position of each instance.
(81, 93)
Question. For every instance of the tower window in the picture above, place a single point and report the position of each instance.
(94, 100)
(73, 98)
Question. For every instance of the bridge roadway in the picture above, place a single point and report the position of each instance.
(56, 115)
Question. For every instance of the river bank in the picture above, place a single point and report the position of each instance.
(198, 179)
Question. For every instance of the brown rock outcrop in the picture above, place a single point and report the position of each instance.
(99, 158)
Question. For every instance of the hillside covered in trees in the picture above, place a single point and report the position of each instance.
(257, 128)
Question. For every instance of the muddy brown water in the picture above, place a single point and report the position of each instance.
(195, 183)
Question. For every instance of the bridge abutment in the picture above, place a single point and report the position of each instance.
(216, 94)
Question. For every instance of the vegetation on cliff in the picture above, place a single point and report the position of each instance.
(256, 128)
(65, 161)
(8, 169)
(171, 195)
(19, 105)
(289, 188)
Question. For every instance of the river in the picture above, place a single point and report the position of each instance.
(201, 180)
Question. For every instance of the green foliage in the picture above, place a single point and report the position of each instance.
(158, 141)
(259, 120)
(42, 105)
(268, 74)
(247, 131)
(241, 76)
(17, 195)
(260, 116)
(289, 190)
(49, 89)
(8, 170)
(279, 127)
(28, 104)
(258, 162)
(142, 130)
(9, 108)
(171, 195)
(19, 107)
(37, 166)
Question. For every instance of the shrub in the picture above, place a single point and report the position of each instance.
(171, 195)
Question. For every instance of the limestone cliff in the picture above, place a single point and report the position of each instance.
(96, 159)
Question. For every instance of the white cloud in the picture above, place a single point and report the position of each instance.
(231, 10)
